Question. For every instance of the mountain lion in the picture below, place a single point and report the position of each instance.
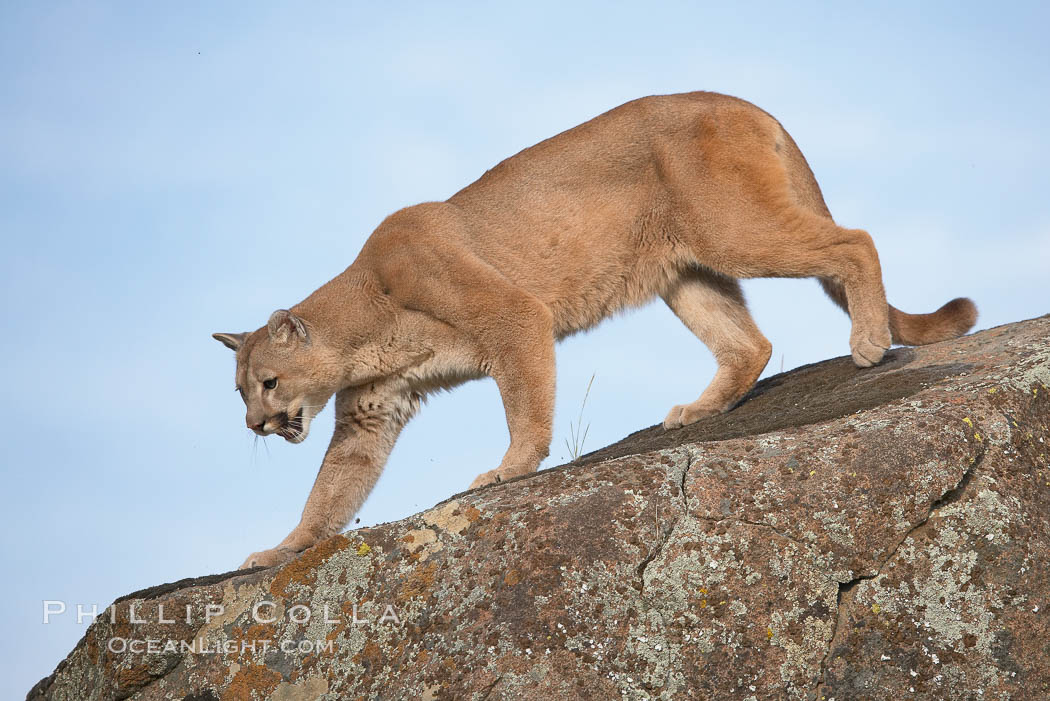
(673, 196)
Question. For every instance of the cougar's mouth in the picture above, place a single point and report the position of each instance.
(291, 428)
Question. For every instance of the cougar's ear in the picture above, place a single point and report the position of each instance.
(232, 341)
(285, 326)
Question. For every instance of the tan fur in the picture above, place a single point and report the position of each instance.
(674, 196)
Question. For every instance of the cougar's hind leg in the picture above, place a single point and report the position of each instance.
(713, 308)
(772, 222)
(784, 240)
(835, 293)
(805, 245)
(847, 264)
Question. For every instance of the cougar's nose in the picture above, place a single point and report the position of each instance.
(257, 427)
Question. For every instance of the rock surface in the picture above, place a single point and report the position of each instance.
(842, 534)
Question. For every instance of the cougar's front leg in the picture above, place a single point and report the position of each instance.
(520, 356)
(368, 421)
(509, 331)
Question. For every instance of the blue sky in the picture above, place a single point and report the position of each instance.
(167, 171)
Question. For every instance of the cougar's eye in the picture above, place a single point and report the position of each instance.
(271, 383)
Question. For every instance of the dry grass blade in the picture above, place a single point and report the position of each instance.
(576, 433)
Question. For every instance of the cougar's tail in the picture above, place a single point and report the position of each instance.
(950, 321)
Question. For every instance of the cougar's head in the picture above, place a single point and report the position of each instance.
(280, 376)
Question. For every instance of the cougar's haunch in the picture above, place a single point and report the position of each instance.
(673, 196)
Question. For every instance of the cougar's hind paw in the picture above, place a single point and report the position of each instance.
(267, 558)
(674, 417)
(685, 414)
(867, 352)
(485, 478)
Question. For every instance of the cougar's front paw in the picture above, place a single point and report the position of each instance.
(268, 558)
(490, 477)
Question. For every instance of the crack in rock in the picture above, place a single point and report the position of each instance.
(761, 524)
(664, 537)
(665, 534)
(492, 687)
(951, 496)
